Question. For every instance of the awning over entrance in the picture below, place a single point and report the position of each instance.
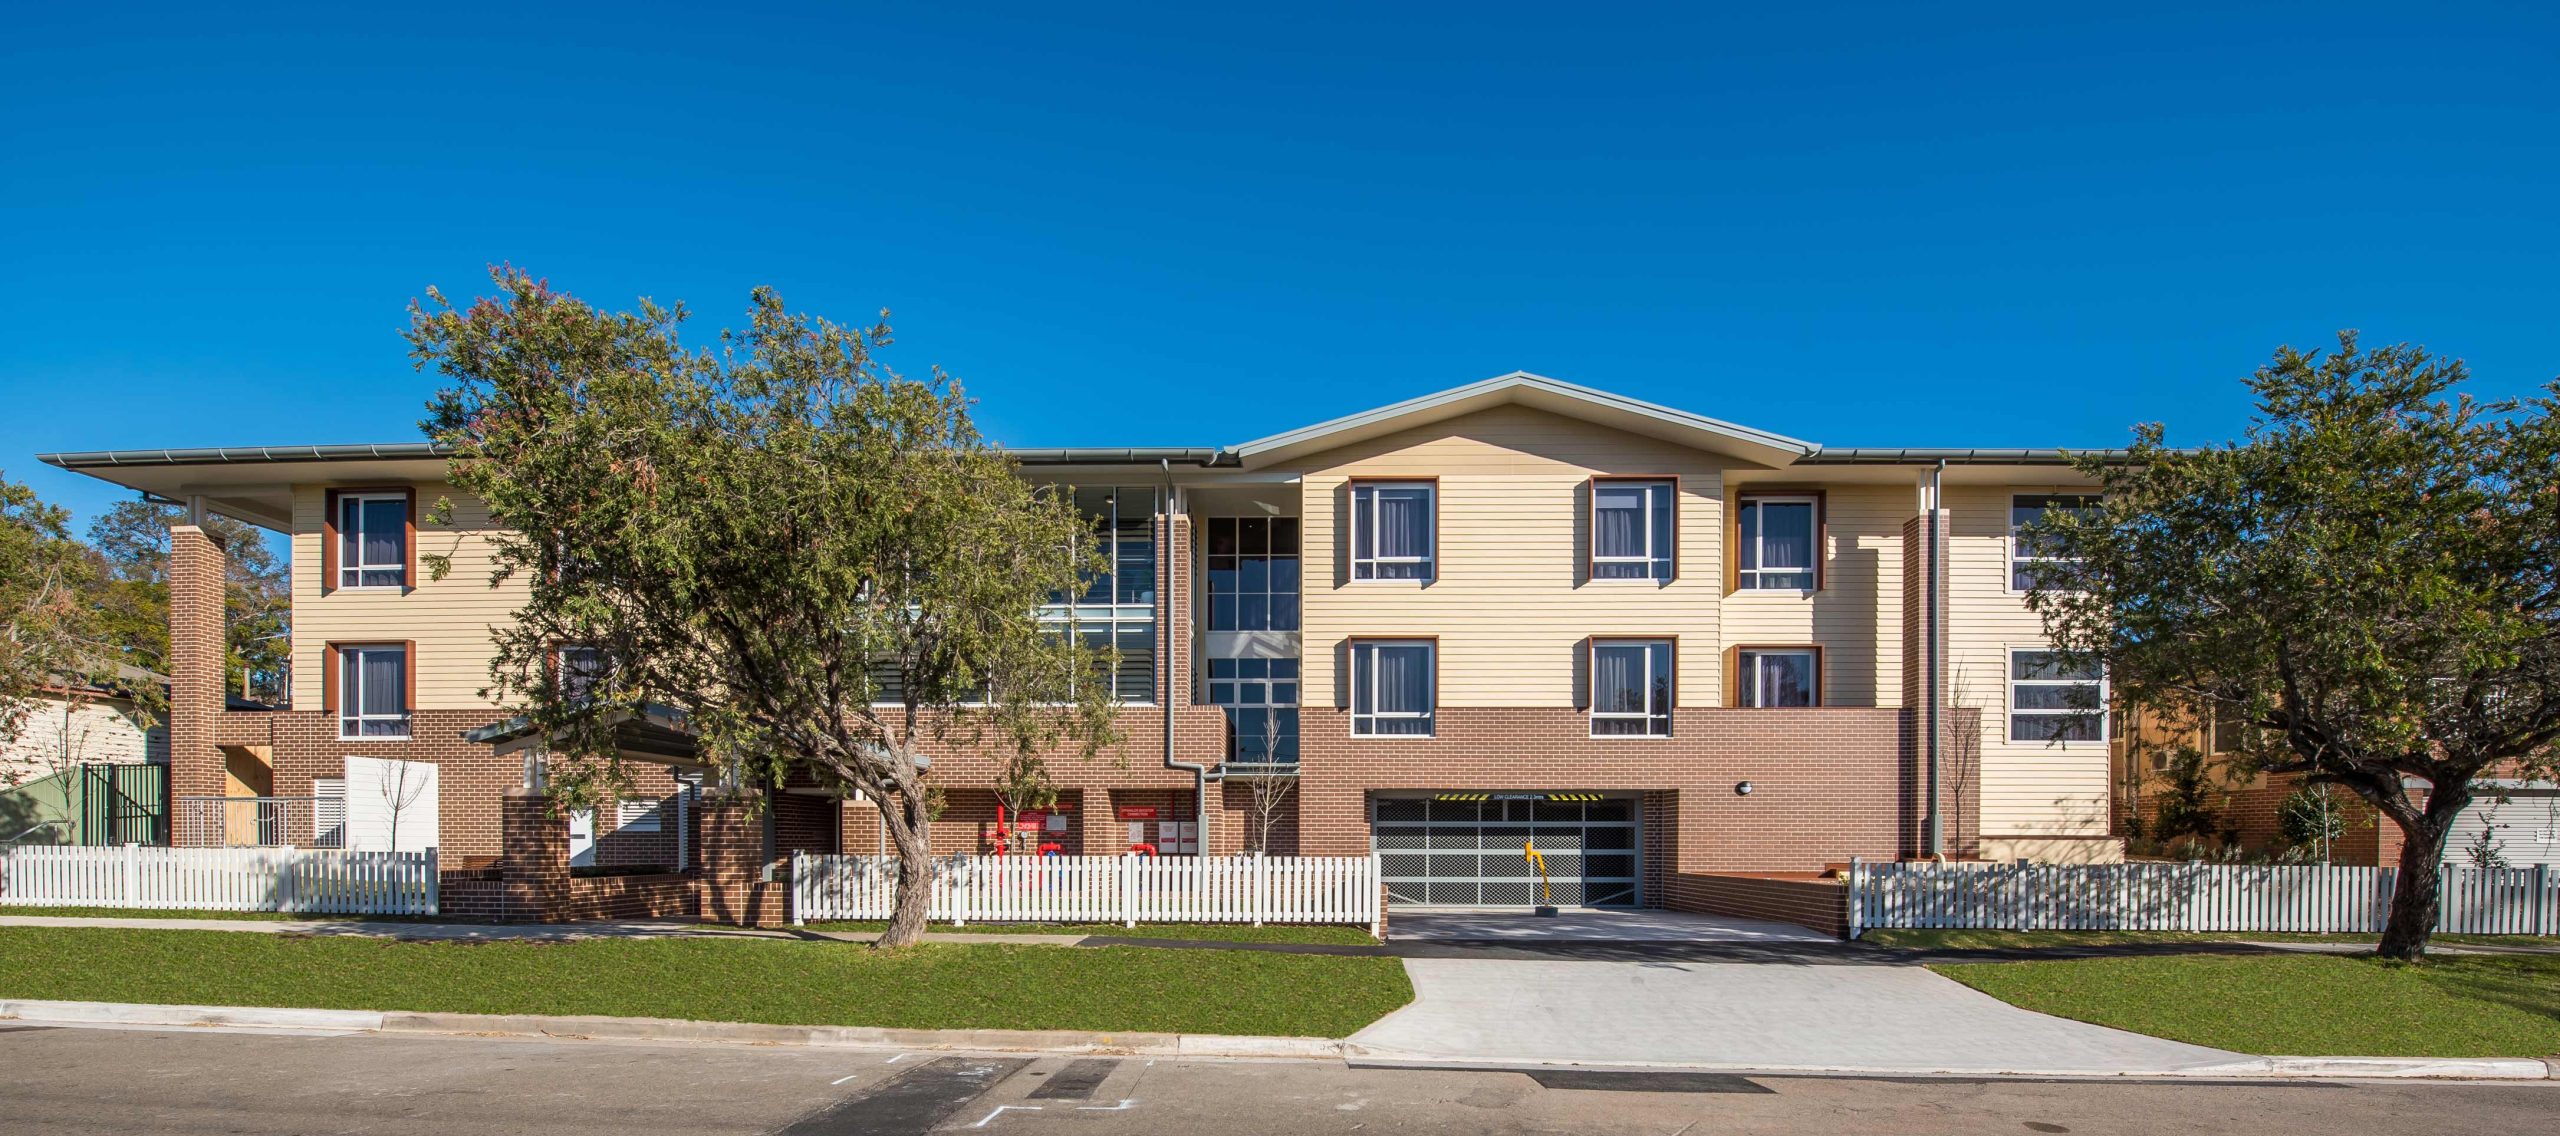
(653, 733)
(1470, 848)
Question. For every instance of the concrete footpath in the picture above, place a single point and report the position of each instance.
(1066, 1042)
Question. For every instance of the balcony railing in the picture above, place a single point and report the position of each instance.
(260, 822)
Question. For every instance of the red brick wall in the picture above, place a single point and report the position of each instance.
(1827, 783)
(197, 630)
(1821, 904)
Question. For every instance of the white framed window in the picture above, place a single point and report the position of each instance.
(1631, 688)
(1775, 677)
(637, 814)
(1394, 530)
(373, 540)
(1393, 687)
(2027, 555)
(373, 692)
(2051, 700)
(1632, 529)
(1775, 539)
(1261, 700)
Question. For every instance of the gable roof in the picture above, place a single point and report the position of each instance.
(1520, 388)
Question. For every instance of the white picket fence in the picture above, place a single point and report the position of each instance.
(2311, 898)
(1128, 890)
(315, 880)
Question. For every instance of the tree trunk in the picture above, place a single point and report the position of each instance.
(2418, 894)
(904, 813)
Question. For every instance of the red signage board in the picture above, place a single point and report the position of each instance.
(1137, 812)
(1030, 821)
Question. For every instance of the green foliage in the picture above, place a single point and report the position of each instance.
(132, 544)
(813, 559)
(2366, 579)
(49, 625)
(2189, 802)
(2313, 818)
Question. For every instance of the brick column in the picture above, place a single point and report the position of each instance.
(731, 887)
(197, 651)
(535, 862)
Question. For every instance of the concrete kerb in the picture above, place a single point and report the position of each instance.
(1144, 1044)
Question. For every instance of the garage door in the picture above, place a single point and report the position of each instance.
(1464, 849)
(2525, 828)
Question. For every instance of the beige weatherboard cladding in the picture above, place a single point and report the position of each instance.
(450, 619)
(2029, 788)
(1509, 604)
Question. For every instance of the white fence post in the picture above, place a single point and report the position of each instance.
(1128, 889)
(1261, 889)
(1856, 896)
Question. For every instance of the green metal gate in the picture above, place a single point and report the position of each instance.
(124, 804)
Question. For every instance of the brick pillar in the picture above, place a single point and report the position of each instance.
(732, 887)
(534, 861)
(197, 640)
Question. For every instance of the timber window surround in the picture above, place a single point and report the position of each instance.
(2053, 700)
(371, 537)
(1631, 685)
(1778, 542)
(1777, 677)
(1634, 528)
(2029, 555)
(1395, 530)
(372, 690)
(1394, 687)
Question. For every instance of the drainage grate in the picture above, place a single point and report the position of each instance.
(1669, 1081)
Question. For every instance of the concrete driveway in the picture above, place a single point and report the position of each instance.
(1772, 1016)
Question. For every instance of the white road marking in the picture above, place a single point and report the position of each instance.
(1002, 1109)
(843, 1079)
(898, 1058)
(1123, 1106)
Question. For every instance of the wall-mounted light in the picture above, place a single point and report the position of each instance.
(1742, 788)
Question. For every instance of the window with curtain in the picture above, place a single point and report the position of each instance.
(373, 540)
(1631, 530)
(373, 692)
(581, 668)
(1631, 688)
(1775, 538)
(1767, 679)
(1391, 689)
(2028, 555)
(1391, 530)
(2052, 700)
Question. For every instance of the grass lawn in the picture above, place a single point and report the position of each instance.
(2299, 1005)
(2009, 940)
(993, 986)
(1215, 932)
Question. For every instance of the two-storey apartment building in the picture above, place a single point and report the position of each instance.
(1662, 647)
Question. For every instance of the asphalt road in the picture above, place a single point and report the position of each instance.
(68, 1081)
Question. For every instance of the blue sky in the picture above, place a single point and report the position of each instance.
(1861, 225)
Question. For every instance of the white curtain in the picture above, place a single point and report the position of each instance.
(1618, 527)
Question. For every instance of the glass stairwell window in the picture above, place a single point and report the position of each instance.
(1253, 573)
(1115, 610)
(1260, 697)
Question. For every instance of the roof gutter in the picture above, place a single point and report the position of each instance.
(1943, 457)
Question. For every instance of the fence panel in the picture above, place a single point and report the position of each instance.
(2292, 898)
(312, 880)
(1097, 889)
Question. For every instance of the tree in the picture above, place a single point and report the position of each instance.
(1270, 791)
(2366, 580)
(132, 544)
(811, 558)
(2311, 819)
(48, 624)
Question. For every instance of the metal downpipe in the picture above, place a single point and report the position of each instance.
(1164, 668)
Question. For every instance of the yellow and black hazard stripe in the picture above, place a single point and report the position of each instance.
(1515, 796)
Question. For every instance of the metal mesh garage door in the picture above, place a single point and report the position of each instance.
(1467, 853)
